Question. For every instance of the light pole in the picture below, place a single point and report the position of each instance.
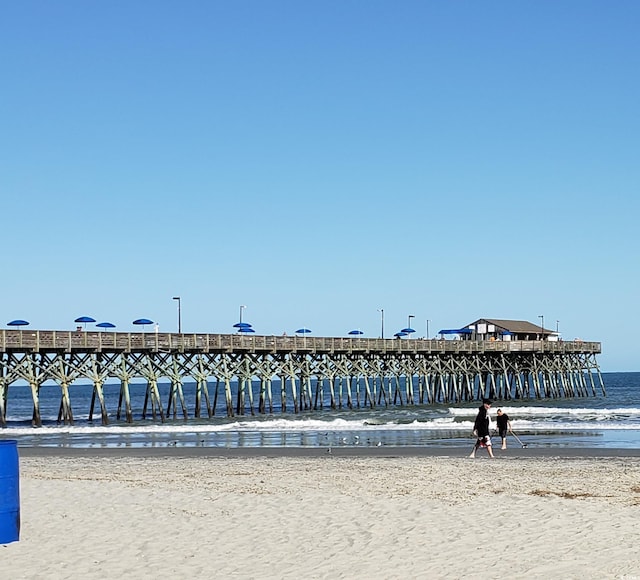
(179, 315)
(409, 322)
(541, 316)
(558, 327)
(242, 307)
(381, 311)
(428, 321)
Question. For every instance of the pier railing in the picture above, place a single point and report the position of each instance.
(126, 342)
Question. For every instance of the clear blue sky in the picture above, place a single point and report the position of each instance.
(317, 161)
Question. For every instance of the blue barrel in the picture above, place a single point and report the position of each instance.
(9, 492)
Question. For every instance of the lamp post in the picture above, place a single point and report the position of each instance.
(428, 321)
(541, 316)
(409, 322)
(381, 311)
(179, 314)
(242, 307)
(557, 327)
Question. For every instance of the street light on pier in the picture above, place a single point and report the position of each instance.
(381, 311)
(242, 307)
(541, 316)
(179, 314)
(558, 327)
(427, 321)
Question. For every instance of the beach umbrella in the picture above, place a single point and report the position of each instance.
(246, 329)
(303, 331)
(407, 330)
(17, 323)
(142, 322)
(241, 325)
(400, 334)
(105, 325)
(84, 320)
(356, 332)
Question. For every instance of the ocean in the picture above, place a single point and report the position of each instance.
(611, 421)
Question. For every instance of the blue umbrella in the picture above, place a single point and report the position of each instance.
(356, 332)
(105, 325)
(84, 320)
(17, 323)
(246, 329)
(241, 325)
(143, 322)
(407, 330)
(400, 334)
(302, 330)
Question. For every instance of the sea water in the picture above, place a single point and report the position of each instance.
(611, 421)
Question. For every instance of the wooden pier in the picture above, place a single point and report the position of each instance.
(308, 373)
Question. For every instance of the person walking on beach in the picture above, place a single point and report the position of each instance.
(504, 426)
(481, 428)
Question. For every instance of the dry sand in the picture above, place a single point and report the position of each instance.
(140, 515)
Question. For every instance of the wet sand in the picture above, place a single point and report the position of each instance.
(350, 451)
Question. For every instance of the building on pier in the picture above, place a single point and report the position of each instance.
(494, 329)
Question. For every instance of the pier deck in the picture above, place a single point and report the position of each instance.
(128, 342)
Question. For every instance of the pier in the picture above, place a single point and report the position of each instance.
(256, 374)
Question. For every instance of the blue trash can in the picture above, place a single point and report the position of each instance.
(9, 492)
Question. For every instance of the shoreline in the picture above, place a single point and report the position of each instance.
(317, 452)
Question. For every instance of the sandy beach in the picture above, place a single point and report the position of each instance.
(266, 514)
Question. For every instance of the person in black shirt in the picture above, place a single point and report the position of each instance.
(504, 426)
(481, 428)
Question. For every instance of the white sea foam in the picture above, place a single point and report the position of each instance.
(551, 411)
(309, 426)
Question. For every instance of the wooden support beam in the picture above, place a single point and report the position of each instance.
(340, 374)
